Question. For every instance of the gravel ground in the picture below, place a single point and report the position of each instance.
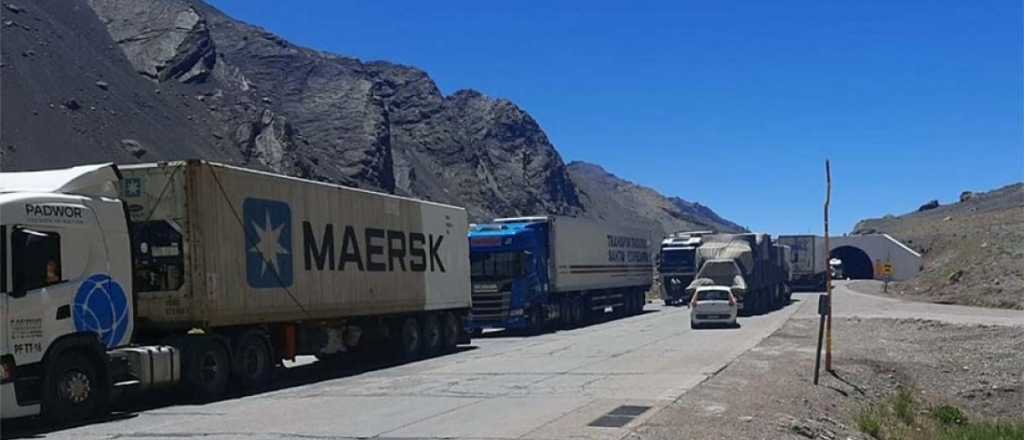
(973, 251)
(768, 392)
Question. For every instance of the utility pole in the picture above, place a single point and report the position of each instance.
(828, 278)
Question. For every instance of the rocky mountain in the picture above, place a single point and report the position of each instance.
(973, 250)
(146, 80)
(607, 196)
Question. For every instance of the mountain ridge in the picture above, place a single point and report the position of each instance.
(181, 79)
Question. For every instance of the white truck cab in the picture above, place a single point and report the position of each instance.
(65, 289)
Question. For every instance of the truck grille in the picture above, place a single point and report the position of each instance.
(490, 302)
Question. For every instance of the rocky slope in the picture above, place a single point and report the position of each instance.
(609, 197)
(145, 80)
(973, 250)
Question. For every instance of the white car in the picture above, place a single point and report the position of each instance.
(713, 305)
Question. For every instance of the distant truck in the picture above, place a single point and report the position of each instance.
(140, 277)
(530, 273)
(808, 261)
(755, 269)
(678, 264)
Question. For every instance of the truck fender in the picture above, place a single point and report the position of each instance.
(85, 342)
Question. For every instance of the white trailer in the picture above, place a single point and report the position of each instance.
(588, 255)
(807, 258)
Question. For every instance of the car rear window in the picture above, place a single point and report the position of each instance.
(713, 295)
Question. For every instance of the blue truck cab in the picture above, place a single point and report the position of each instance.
(509, 274)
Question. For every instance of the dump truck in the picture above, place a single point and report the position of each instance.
(677, 265)
(201, 275)
(533, 273)
(749, 264)
(808, 261)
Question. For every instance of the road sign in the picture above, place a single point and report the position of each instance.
(887, 269)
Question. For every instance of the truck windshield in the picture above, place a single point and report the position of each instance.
(677, 259)
(496, 265)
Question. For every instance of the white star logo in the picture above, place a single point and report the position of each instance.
(134, 187)
(268, 246)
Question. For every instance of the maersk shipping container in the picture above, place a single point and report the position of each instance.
(216, 245)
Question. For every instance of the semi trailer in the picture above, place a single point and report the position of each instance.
(202, 275)
(754, 269)
(678, 264)
(529, 273)
(808, 261)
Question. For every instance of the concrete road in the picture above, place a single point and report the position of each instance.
(861, 299)
(551, 386)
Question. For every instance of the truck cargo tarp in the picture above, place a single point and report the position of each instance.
(718, 273)
(738, 250)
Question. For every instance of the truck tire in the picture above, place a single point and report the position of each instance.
(253, 363)
(433, 338)
(73, 390)
(576, 312)
(536, 324)
(450, 332)
(410, 340)
(565, 313)
(207, 367)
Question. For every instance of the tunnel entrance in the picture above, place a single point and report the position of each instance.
(856, 263)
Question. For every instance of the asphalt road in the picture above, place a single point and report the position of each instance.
(550, 386)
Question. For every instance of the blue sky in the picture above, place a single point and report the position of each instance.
(734, 105)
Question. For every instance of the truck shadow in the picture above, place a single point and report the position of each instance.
(285, 378)
(496, 334)
(792, 301)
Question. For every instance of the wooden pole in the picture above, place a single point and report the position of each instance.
(828, 278)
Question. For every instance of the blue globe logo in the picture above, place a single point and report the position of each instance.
(101, 307)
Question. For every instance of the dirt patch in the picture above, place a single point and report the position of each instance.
(973, 250)
(768, 391)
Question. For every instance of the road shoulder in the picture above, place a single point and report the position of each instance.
(768, 392)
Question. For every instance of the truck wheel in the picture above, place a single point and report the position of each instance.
(432, 337)
(581, 312)
(565, 313)
(207, 367)
(536, 325)
(73, 389)
(450, 332)
(253, 363)
(410, 340)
